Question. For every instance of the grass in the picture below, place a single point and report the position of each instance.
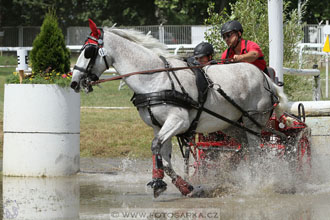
(106, 133)
(108, 95)
(8, 60)
(114, 133)
(103, 133)
(119, 133)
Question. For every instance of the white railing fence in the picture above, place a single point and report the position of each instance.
(178, 38)
(308, 72)
(168, 34)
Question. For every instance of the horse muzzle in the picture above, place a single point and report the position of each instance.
(75, 86)
(84, 83)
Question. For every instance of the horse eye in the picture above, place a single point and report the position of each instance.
(90, 51)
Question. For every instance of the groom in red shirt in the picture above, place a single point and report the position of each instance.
(241, 50)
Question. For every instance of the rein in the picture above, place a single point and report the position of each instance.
(158, 70)
(194, 105)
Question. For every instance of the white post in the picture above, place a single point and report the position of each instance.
(326, 33)
(275, 22)
(161, 33)
(299, 11)
(326, 75)
(22, 63)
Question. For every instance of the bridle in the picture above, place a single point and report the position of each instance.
(93, 47)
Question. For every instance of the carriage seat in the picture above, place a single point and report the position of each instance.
(272, 74)
(201, 81)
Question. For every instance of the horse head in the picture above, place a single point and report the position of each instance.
(92, 61)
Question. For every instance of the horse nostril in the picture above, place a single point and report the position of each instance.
(75, 86)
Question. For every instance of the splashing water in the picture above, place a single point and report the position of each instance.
(267, 174)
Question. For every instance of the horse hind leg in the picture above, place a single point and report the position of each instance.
(253, 141)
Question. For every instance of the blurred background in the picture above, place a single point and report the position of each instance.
(171, 21)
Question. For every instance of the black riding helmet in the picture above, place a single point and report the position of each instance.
(203, 49)
(231, 26)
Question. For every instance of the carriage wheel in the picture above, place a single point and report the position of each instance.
(304, 154)
(186, 162)
(198, 165)
(302, 159)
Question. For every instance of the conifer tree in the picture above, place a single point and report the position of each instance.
(49, 51)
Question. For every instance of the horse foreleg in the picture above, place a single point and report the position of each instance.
(174, 127)
(184, 187)
(253, 140)
(158, 169)
(161, 148)
(157, 182)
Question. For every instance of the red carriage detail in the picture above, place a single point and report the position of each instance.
(205, 147)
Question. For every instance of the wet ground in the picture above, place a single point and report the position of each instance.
(116, 189)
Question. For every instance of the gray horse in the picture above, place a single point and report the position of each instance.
(131, 51)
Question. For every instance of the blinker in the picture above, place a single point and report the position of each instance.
(90, 51)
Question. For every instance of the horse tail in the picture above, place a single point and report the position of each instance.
(283, 100)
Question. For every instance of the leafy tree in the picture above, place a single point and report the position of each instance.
(185, 11)
(127, 12)
(254, 19)
(315, 11)
(106, 12)
(252, 16)
(49, 51)
(77, 12)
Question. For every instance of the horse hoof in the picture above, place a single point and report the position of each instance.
(158, 185)
(159, 191)
(198, 192)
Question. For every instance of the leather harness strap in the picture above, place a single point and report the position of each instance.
(176, 98)
(172, 97)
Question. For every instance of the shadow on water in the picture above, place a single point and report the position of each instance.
(106, 186)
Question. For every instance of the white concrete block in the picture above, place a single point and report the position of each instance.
(41, 130)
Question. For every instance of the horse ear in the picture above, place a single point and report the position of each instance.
(95, 32)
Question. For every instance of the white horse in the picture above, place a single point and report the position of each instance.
(131, 51)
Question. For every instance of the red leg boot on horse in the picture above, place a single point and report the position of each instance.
(184, 187)
(157, 182)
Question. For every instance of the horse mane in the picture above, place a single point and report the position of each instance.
(147, 41)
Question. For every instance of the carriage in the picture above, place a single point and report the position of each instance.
(168, 101)
(205, 149)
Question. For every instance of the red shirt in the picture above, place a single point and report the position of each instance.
(250, 46)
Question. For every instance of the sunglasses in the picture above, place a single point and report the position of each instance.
(227, 35)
